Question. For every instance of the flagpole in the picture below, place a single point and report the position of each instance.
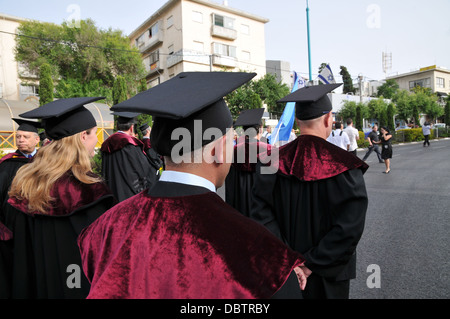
(309, 41)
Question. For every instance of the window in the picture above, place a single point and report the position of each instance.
(223, 49)
(197, 16)
(28, 90)
(245, 56)
(245, 29)
(169, 22)
(222, 21)
(198, 46)
(170, 49)
(153, 31)
(440, 83)
(154, 57)
(426, 83)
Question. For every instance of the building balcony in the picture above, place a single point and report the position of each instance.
(187, 56)
(153, 68)
(224, 33)
(150, 43)
(226, 61)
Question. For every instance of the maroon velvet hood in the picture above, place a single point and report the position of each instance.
(311, 158)
(248, 147)
(181, 248)
(118, 140)
(70, 194)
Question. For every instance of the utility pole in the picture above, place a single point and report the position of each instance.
(360, 77)
(309, 41)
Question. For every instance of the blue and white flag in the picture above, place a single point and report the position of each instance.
(283, 129)
(326, 76)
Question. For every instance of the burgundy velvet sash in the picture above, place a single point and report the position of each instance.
(118, 140)
(311, 158)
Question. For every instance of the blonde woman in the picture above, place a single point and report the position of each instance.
(51, 200)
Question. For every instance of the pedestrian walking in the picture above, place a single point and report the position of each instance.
(353, 136)
(373, 140)
(426, 130)
(386, 148)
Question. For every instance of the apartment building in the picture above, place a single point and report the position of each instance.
(16, 82)
(433, 77)
(200, 35)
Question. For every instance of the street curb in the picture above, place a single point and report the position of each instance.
(409, 143)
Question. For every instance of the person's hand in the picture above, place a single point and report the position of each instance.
(302, 273)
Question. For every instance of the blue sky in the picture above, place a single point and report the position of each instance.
(353, 33)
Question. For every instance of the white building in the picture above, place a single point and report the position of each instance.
(200, 35)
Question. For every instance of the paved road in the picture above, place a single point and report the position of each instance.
(407, 226)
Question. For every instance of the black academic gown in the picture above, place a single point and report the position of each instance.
(46, 262)
(239, 181)
(125, 167)
(316, 203)
(5, 261)
(9, 165)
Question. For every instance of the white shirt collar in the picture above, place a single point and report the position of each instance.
(187, 178)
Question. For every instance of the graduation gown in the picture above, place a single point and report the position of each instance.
(180, 242)
(46, 262)
(239, 181)
(9, 165)
(316, 203)
(155, 159)
(125, 167)
(5, 261)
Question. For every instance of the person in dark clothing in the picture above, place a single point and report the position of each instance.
(50, 201)
(316, 201)
(386, 148)
(27, 139)
(126, 167)
(155, 159)
(374, 140)
(239, 181)
(179, 239)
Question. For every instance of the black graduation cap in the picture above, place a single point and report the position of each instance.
(126, 117)
(311, 101)
(250, 117)
(27, 126)
(65, 117)
(184, 100)
(143, 127)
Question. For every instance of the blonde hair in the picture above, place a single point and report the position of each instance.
(34, 182)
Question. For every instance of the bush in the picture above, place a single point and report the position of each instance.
(412, 135)
(362, 142)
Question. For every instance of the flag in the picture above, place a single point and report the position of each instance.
(326, 76)
(284, 127)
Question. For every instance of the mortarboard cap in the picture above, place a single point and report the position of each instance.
(250, 117)
(65, 117)
(182, 101)
(312, 101)
(126, 117)
(144, 127)
(27, 125)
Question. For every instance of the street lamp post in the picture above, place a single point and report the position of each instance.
(309, 40)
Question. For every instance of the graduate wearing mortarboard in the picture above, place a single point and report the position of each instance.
(126, 167)
(239, 182)
(51, 200)
(317, 200)
(179, 239)
(27, 139)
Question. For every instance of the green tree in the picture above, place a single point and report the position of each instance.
(388, 89)
(390, 113)
(359, 117)
(119, 90)
(88, 55)
(45, 84)
(402, 100)
(270, 91)
(347, 79)
(243, 98)
(447, 112)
